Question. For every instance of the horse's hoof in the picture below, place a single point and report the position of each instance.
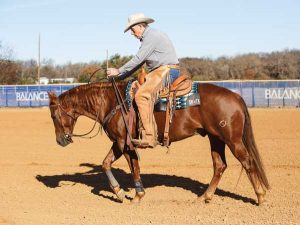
(121, 195)
(204, 198)
(261, 200)
(138, 196)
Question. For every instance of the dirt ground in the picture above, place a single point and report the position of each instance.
(43, 183)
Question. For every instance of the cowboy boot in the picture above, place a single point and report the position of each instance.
(148, 132)
(147, 141)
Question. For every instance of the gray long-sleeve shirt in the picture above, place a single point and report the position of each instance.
(156, 50)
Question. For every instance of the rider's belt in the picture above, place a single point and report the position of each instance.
(170, 66)
(173, 66)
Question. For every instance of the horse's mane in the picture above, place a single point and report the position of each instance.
(82, 92)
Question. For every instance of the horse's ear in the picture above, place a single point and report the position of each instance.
(52, 98)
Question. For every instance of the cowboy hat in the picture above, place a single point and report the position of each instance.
(136, 19)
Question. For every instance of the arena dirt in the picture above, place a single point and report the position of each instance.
(43, 183)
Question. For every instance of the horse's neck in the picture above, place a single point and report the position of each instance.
(95, 102)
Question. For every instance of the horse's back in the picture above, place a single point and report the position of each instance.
(213, 96)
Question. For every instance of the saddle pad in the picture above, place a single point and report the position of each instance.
(182, 102)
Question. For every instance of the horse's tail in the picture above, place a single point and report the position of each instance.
(249, 142)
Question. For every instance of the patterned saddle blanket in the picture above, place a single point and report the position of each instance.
(190, 99)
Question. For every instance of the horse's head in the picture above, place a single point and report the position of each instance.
(64, 120)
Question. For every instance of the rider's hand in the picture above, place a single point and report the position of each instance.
(112, 72)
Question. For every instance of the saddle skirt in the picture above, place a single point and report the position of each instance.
(187, 95)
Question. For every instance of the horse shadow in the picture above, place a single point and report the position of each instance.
(97, 180)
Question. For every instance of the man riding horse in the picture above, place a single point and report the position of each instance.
(222, 115)
(158, 52)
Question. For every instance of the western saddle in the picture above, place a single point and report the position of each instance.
(181, 86)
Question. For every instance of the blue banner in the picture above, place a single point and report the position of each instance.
(255, 93)
(29, 95)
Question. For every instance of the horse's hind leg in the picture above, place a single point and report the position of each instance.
(239, 151)
(219, 163)
(133, 163)
(113, 154)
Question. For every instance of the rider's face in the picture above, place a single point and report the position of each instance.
(137, 30)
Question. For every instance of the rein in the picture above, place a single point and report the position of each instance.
(124, 112)
(61, 109)
(87, 133)
(100, 127)
(106, 119)
(94, 74)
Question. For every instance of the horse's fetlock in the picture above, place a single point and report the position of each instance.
(260, 192)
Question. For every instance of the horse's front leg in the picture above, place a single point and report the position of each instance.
(133, 163)
(113, 155)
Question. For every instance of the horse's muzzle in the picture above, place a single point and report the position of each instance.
(64, 140)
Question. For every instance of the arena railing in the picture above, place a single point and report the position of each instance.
(256, 93)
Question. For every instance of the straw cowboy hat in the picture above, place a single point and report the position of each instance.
(135, 19)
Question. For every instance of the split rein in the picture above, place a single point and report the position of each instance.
(106, 119)
(61, 109)
(100, 127)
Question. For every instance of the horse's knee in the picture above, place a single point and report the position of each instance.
(106, 165)
(220, 167)
(219, 162)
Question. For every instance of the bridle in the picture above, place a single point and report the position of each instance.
(62, 110)
(121, 106)
(105, 121)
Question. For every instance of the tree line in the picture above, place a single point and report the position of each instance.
(255, 66)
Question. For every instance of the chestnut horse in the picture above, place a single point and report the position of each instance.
(222, 116)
